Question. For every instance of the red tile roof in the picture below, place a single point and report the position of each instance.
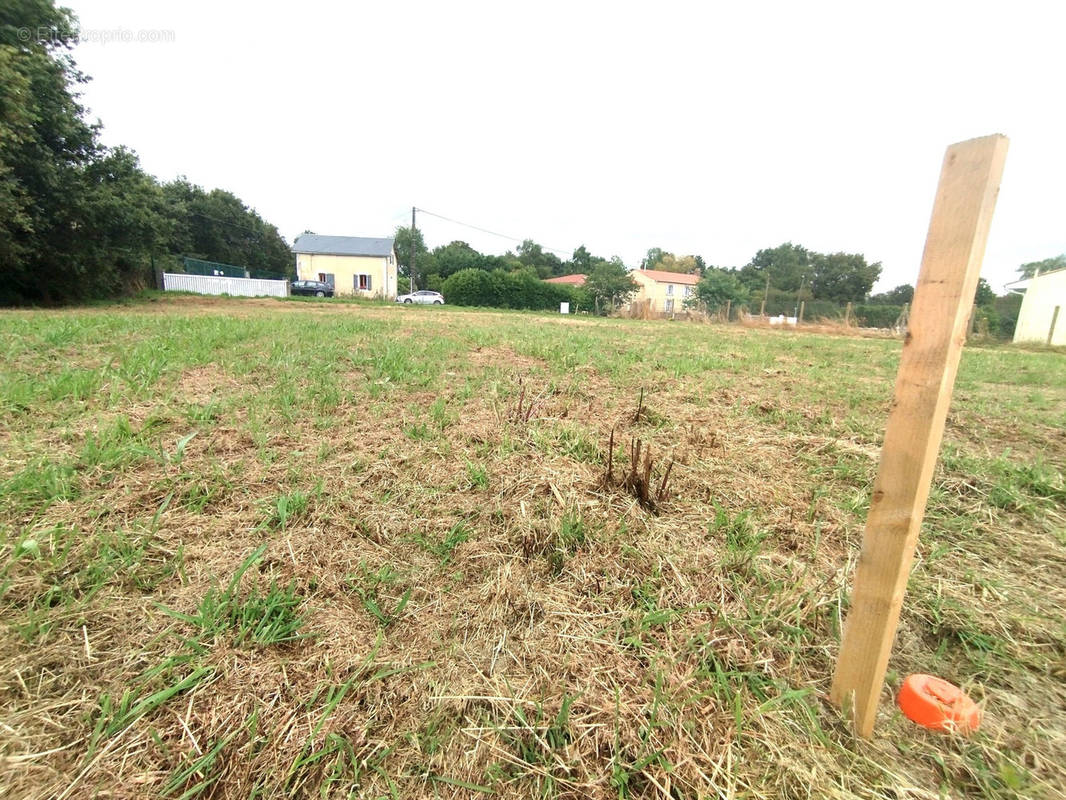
(574, 280)
(663, 276)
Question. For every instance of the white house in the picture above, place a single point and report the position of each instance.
(1042, 317)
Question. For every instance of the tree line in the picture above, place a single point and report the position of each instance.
(79, 220)
(783, 275)
(775, 281)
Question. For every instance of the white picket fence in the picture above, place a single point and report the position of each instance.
(214, 284)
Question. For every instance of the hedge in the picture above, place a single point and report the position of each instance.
(877, 316)
(500, 289)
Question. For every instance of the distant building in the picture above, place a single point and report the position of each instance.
(352, 265)
(1042, 317)
(664, 291)
(569, 280)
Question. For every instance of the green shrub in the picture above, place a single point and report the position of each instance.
(1007, 307)
(877, 316)
(499, 289)
(468, 287)
(778, 302)
(819, 309)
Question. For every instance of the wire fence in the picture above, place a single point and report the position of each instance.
(199, 266)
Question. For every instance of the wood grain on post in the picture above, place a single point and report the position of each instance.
(951, 265)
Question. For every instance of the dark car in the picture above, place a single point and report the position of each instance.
(312, 288)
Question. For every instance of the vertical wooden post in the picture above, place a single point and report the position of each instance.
(1051, 330)
(803, 303)
(904, 315)
(728, 305)
(847, 315)
(951, 264)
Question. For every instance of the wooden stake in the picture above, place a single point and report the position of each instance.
(1051, 330)
(803, 304)
(847, 315)
(951, 264)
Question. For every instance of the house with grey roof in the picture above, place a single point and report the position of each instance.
(353, 265)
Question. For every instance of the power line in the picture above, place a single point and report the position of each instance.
(228, 222)
(492, 233)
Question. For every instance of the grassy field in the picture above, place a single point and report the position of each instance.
(262, 548)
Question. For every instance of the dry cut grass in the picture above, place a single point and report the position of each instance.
(259, 549)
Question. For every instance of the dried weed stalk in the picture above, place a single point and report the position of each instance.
(638, 480)
(522, 410)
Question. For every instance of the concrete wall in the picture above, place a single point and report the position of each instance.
(1042, 296)
(344, 269)
(212, 284)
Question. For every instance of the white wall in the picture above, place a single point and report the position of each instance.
(1042, 296)
(212, 284)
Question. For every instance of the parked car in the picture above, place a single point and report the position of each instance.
(422, 296)
(312, 288)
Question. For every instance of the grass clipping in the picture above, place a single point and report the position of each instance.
(491, 594)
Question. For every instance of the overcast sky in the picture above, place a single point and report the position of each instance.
(709, 128)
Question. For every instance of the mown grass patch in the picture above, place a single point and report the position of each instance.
(255, 548)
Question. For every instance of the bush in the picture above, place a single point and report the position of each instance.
(1007, 307)
(877, 316)
(986, 321)
(520, 289)
(467, 287)
(716, 288)
(778, 302)
(821, 309)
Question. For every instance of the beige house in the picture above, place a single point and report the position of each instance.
(1042, 317)
(352, 265)
(665, 291)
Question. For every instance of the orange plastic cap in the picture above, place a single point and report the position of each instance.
(936, 704)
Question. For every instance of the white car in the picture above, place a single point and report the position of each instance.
(422, 296)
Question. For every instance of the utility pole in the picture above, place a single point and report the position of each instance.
(799, 293)
(413, 249)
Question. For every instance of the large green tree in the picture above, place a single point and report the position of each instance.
(985, 295)
(216, 225)
(45, 148)
(424, 261)
(716, 288)
(580, 262)
(533, 255)
(685, 265)
(652, 257)
(454, 256)
(79, 220)
(904, 293)
(1047, 265)
(842, 277)
(787, 266)
(610, 285)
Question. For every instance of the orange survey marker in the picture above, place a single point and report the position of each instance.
(934, 703)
